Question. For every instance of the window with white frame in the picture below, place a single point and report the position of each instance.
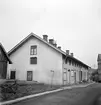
(33, 50)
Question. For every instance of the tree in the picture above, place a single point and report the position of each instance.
(95, 76)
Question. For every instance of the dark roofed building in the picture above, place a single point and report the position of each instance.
(99, 61)
(4, 60)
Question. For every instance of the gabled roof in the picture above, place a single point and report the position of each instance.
(5, 53)
(99, 57)
(32, 35)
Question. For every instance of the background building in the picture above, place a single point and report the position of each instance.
(99, 65)
(4, 60)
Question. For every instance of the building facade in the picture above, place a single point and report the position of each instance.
(74, 70)
(37, 59)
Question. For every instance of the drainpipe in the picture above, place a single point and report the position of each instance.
(64, 67)
(69, 76)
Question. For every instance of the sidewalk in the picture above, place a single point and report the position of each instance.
(44, 93)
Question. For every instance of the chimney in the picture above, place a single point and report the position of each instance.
(67, 52)
(51, 41)
(59, 47)
(55, 44)
(45, 37)
(72, 54)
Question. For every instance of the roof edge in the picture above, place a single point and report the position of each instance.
(32, 34)
(5, 53)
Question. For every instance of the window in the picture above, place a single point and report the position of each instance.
(69, 62)
(66, 61)
(72, 73)
(33, 60)
(33, 50)
(73, 63)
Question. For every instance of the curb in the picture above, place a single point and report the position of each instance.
(43, 93)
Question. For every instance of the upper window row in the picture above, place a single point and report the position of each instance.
(33, 50)
(74, 64)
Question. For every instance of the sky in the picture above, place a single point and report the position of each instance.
(74, 24)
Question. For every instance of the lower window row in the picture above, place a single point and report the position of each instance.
(29, 75)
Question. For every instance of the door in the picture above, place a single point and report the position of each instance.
(65, 81)
(12, 76)
(29, 75)
(75, 76)
(80, 76)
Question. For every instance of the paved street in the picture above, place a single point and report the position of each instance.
(76, 96)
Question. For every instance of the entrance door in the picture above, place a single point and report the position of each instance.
(12, 76)
(29, 75)
(75, 76)
(80, 76)
(65, 77)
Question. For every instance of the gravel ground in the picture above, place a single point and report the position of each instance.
(76, 96)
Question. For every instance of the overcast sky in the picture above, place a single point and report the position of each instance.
(74, 24)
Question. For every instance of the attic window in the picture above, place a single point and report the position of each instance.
(33, 50)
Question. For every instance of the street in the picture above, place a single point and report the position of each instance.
(76, 96)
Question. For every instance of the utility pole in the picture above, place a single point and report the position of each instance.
(52, 72)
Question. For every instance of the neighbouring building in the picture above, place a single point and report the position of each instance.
(99, 64)
(39, 59)
(4, 61)
(91, 70)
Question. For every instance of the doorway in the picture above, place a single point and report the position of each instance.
(75, 76)
(29, 75)
(12, 76)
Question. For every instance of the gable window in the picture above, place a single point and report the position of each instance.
(33, 50)
(33, 60)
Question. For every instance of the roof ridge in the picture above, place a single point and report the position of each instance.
(32, 34)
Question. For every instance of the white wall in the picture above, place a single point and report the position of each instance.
(47, 59)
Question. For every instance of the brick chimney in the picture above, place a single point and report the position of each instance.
(59, 47)
(72, 54)
(67, 52)
(55, 44)
(51, 41)
(45, 37)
